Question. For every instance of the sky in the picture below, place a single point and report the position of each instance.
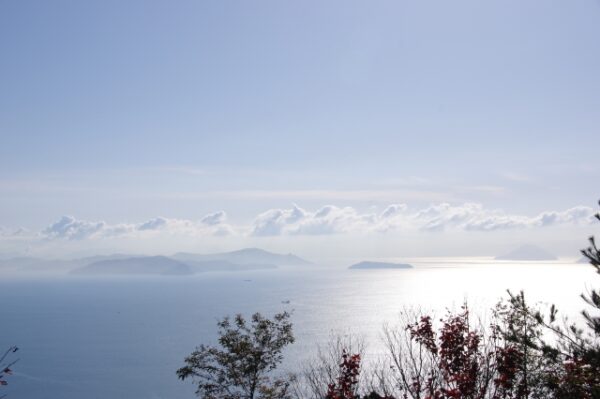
(392, 128)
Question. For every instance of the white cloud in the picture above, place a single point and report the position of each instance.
(14, 233)
(326, 220)
(213, 219)
(173, 226)
(440, 217)
(329, 219)
(72, 229)
(153, 224)
(392, 210)
(273, 221)
(574, 215)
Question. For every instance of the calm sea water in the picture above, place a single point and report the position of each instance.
(125, 338)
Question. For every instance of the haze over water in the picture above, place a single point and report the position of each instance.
(341, 131)
(125, 337)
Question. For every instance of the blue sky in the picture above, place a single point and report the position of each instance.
(126, 111)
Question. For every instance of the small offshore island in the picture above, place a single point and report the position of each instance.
(380, 265)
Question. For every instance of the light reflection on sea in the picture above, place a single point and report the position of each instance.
(124, 338)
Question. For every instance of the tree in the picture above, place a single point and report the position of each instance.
(567, 356)
(593, 298)
(6, 364)
(346, 385)
(458, 359)
(241, 367)
(323, 369)
(524, 354)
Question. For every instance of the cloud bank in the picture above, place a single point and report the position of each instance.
(327, 220)
(69, 228)
(397, 217)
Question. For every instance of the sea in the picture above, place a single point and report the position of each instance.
(124, 338)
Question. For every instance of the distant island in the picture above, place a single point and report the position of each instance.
(175, 265)
(147, 265)
(380, 265)
(226, 266)
(244, 256)
(527, 253)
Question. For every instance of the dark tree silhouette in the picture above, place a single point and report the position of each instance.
(561, 359)
(345, 387)
(6, 365)
(593, 298)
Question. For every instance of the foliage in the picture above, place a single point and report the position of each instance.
(529, 353)
(6, 364)
(240, 367)
(593, 298)
(524, 353)
(459, 359)
(347, 381)
(318, 373)
(566, 356)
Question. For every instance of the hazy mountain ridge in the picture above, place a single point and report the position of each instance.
(527, 253)
(178, 264)
(223, 265)
(380, 265)
(245, 256)
(160, 265)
